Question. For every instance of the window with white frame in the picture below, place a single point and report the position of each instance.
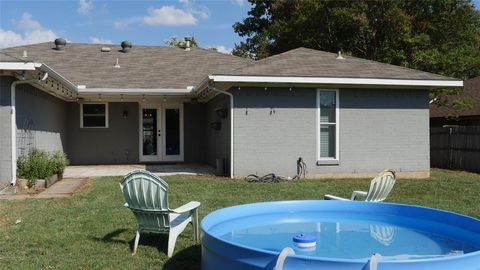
(93, 115)
(327, 126)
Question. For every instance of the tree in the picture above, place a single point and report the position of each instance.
(438, 36)
(180, 43)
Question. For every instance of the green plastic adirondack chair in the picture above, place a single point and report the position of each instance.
(380, 187)
(147, 196)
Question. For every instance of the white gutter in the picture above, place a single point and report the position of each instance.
(134, 91)
(57, 76)
(334, 80)
(18, 65)
(231, 126)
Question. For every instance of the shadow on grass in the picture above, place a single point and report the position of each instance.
(188, 258)
(159, 241)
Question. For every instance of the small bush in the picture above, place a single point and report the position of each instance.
(60, 161)
(39, 164)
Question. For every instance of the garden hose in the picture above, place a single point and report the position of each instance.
(273, 178)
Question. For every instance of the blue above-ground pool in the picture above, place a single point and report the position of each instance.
(347, 234)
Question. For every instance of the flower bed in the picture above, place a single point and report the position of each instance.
(39, 164)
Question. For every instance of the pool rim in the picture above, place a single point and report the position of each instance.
(341, 260)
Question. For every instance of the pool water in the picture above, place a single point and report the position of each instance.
(350, 236)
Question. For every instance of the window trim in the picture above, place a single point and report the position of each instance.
(323, 160)
(95, 103)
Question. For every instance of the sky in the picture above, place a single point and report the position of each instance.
(143, 22)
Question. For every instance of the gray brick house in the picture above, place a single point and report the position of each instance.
(103, 104)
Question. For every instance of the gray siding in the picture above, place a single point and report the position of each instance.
(218, 141)
(5, 131)
(379, 129)
(195, 130)
(41, 120)
(116, 144)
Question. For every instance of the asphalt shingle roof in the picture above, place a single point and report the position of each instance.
(303, 62)
(144, 67)
(153, 67)
(471, 89)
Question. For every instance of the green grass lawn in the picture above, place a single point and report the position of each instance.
(92, 230)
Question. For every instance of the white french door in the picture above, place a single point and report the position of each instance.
(161, 132)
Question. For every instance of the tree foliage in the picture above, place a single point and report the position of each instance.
(180, 43)
(439, 36)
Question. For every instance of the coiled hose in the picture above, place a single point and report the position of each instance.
(273, 178)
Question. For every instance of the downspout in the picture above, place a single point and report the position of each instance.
(212, 87)
(14, 124)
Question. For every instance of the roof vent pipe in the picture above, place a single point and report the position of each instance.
(340, 57)
(126, 46)
(60, 44)
(188, 43)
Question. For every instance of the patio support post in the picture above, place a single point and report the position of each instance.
(212, 87)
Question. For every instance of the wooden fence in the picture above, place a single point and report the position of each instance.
(455, 147)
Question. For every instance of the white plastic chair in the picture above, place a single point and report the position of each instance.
(147, 196)
(380, 187)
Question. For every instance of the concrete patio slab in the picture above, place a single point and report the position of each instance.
(82, 171)
(65, 187)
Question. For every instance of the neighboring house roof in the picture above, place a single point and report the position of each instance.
(471, 89)
(313, 63)
(143, 67)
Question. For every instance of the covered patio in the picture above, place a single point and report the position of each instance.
(83, 171)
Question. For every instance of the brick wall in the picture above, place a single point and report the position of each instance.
(379, 129)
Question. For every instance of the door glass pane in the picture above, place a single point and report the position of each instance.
(172, 131)
(327, 141)
(149, 132)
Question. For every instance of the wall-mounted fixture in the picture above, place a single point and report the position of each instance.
(216, 125)
(125, 114)
(221, 112)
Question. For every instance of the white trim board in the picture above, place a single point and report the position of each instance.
(98, 103)
(18, 65)
(337, 81)
(320, 160)
(135, 91)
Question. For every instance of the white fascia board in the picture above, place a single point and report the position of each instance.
(135, 91)
(336, 81)
(18, 65)
(57, 77)
(40, 66)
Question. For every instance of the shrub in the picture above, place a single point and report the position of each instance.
(39, 164)
(60, 161)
